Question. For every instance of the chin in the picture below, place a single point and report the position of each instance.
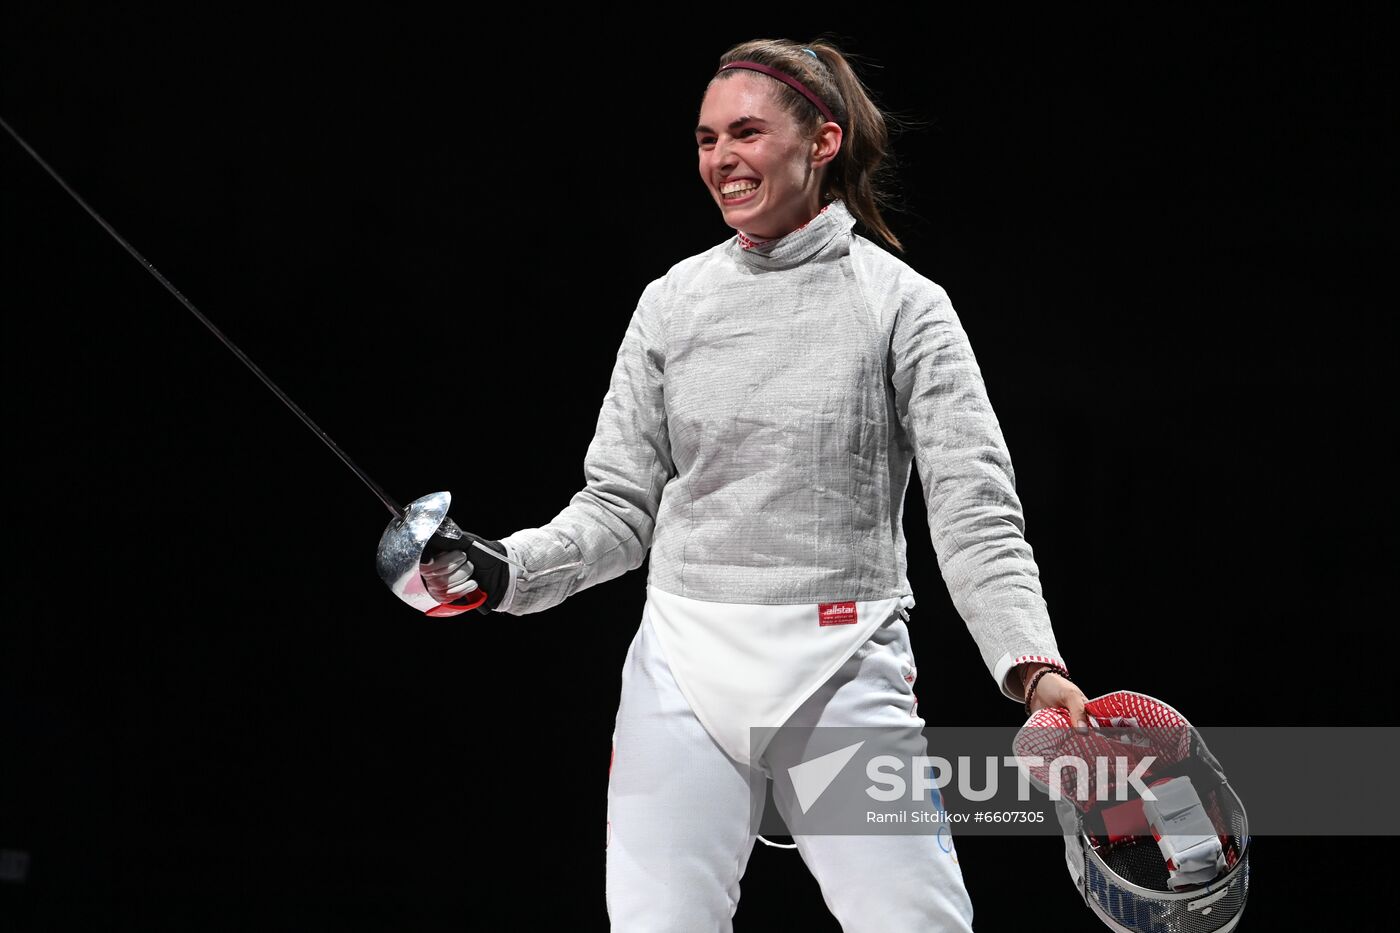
(746, 216)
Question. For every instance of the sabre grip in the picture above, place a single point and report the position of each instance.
(491, 575)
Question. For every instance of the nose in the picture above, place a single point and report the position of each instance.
(724, 158)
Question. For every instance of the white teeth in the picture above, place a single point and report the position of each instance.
(737, 187)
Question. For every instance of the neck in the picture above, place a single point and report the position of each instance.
(750, 240)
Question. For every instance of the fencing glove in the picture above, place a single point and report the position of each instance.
(453, 570)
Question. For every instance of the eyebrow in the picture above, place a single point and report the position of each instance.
(702, 128)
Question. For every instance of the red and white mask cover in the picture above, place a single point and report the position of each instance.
(1122, 724)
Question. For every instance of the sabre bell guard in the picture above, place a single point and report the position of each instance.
(401, 551)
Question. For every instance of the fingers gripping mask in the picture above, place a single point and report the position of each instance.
(1156, 840)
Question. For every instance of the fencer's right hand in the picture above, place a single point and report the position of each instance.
(448, 576)
(453, 569)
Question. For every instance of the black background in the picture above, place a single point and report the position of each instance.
(1167, 232)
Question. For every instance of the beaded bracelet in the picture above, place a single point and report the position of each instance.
(1030, 688)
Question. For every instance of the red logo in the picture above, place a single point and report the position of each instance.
(836, 613)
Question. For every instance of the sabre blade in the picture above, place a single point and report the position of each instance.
(394, 508)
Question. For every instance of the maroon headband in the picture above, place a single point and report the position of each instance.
(787, 79)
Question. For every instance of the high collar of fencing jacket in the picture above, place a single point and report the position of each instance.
(798, 246)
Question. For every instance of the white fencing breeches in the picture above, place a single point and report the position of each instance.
(680, 811)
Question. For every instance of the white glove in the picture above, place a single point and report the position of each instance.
(448, 576)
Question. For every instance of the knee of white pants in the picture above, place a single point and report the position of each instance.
(673, 876)
(641, 899)
(881, 883)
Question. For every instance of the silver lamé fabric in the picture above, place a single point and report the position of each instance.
(765, 410)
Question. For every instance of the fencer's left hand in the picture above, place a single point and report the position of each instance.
(1054, 690)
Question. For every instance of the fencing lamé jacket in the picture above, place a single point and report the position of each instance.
(765, 409)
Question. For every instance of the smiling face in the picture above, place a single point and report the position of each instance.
(764, 174)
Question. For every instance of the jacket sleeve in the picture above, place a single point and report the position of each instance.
(974, 514)
(607, 526)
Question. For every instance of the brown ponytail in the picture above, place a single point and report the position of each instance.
(862, 173)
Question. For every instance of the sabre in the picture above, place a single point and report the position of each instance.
(408, 532)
